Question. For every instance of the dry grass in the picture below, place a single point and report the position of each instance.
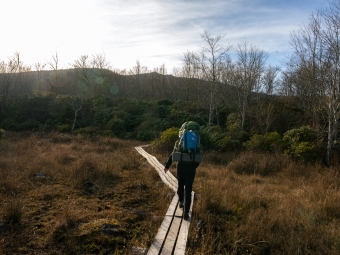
(264, 204)
(63, 194)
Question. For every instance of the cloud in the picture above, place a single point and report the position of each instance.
(155, 32)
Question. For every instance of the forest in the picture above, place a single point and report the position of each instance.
(241, 102)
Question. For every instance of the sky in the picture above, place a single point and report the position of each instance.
(153, 32)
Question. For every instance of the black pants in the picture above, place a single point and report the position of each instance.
(185, 175)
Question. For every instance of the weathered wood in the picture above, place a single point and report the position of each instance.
(172, 235)
(183, 232)
(158, 242)
(171, 238)
(168, 178)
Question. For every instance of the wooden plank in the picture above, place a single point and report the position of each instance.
(173, 232)
(157, 243)
(157, 165)
(172, 235)
(184, 230)
(167, 178)
(160, 167)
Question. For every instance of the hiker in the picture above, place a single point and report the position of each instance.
(188, 154)
(186, 172)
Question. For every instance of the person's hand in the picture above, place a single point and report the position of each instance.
(166, 170)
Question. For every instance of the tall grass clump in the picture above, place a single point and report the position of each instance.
(265, 204)
(12, 212)
(62, 193)
(2, 135)
(258, 163)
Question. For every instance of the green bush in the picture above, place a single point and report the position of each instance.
(116, 125)
(107, 133)
(167, 139)
(301, 143)
(268, 142)
(302, 134)
(221, 140)
(145, 136)
(234, 126)
(306, 151)
(215, 134)
(227, 144)
(205, 138)
(29, 124)
(64, 128)
(86, 131)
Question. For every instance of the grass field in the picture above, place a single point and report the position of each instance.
(264, 204)
(64, 194)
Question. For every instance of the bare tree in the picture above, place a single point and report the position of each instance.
(81, 85)
(88, 79)
(249, 70)
(269, 79)
(211, 61)
(39, 69)
(317, 67)
(262, 110)
(135, 73)
(99, 61)
(24, 81)
(163, 91)
(9, 71)
(331, 43)
(190, 71)
(307, 66)
(54, 79)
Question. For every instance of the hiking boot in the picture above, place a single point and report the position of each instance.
(181, 204)
(186, 216)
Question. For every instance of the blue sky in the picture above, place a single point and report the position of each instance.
(155, 32)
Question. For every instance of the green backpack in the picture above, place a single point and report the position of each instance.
(188, 148)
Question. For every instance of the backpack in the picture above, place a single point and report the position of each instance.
(188, 148)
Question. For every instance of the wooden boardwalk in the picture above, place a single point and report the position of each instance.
(172, 235)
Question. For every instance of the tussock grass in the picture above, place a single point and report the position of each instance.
(12, 212)
(79, 195)
(258, 163)
(264, 204)
(65, 194)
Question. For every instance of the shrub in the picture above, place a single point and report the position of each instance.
(302, 134)
(29, 124)
(86, 131)
(215, 134)
(2, 134)
(13, 212)
(64, 128)
(234, 126)
(205, 138)
(301, 143)
(227, 144)
(305, 151)
(257, 163)
(268, 142)
(225, 140)
(116, 125)
(108, 133)
(145, 135)
(167, 139)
